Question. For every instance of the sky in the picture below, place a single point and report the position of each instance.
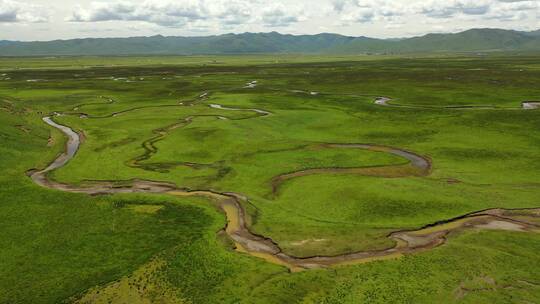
(28, 20)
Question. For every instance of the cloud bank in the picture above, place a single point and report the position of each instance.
(15, 11)
(228, 13)
(379, 18)
(181, 13)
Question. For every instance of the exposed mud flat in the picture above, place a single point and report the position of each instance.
(251, 85)
(303, 242)
(382, 101)
(312, 93)
(217, 106)
(526, 105)
(530, 105)
(501, 225)
(406, 242)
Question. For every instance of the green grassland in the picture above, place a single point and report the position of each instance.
(83, 62)
(56, 246)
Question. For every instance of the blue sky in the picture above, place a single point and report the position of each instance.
(63, 19)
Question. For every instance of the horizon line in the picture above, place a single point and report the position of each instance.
(284, 34)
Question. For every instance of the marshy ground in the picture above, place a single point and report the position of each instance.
(301, 158)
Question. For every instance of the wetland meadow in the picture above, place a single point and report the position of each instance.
(270, 179)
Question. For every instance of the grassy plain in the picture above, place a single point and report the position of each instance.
(56, 245)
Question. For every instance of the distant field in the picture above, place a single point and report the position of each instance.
(236, 124)
(70, 62)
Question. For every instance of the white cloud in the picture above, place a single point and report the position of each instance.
(15, 11)
(188, 12)
(512, 10)
(514, 1)
(279, 15)
(507, 16)
(376, 18)
(359, 14)
(518, 5)
(356, 11)
(236, 14)
(450, 8)
(339, 5)
(232, 12)
(157, 12)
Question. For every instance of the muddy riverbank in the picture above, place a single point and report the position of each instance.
(526, 105)
(406, 242)
(417, 165)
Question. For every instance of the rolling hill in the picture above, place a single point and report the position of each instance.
(473, 40)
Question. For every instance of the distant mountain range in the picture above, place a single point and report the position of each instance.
(474, 40)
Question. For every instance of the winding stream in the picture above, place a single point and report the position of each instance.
(417, 166)
(217, 106)
(526, 105)
(406, 242)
